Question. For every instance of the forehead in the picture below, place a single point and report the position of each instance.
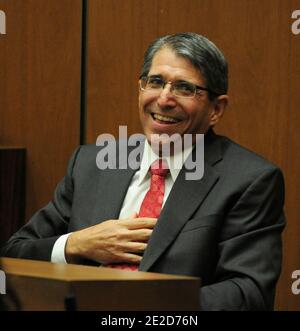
(168, 64)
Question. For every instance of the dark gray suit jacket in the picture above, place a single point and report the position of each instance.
(225, 228)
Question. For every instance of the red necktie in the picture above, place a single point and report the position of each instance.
(152, 203)
(153, 200)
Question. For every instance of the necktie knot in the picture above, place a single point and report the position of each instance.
(159, 168)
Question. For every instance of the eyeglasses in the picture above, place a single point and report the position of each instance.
(179, 88)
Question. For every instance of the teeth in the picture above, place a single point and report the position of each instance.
(164, 118)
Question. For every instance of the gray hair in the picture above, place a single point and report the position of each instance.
(200, 51)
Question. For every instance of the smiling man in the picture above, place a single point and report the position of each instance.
(174, 98)
(225, 227)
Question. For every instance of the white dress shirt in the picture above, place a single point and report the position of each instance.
(136, 192)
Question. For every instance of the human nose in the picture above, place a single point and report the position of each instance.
(166, 97)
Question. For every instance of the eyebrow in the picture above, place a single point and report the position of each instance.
(157, 76)
(176, 80)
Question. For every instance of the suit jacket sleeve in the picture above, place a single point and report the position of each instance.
(250, 249)
(35, 240)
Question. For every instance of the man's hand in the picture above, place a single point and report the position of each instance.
(112, 241)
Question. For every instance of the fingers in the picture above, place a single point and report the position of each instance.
(140, 235)
(135, 247)
(129, 247)
(130, 258)
(129, 253)
(133, 258)
(115, 241)
(140, 223)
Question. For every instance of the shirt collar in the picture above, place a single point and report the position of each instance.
(175, 162)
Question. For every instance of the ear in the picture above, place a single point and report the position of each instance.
(219, 106)
(139, 89)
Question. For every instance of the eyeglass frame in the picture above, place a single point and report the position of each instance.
(197, 88)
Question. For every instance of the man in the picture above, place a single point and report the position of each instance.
(225, 227)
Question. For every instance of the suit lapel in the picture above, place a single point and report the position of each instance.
(185, 197)
(113, 184)
(111, 191)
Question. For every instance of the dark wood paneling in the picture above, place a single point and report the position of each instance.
(12, 191)
(40, 88)
(264, 65)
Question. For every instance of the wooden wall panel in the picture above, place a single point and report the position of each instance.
(264, 65)
(12, 191)
(40, 88)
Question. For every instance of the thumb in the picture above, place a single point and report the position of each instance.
(134, 215)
